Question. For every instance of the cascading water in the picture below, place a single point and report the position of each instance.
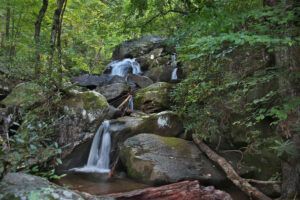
(174, 66)
(98, 160)
(174, 74)
(123, 67)
(130, 103)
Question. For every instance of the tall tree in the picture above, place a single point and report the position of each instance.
(55, 38)
(38, 25)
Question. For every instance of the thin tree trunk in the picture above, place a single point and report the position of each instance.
(59, 48)
(55, 29)
(7, 26)
(232, 175)
(37, 32)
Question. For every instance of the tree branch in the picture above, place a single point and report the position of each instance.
(232, 175)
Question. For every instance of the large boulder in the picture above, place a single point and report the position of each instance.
(140, 81)
(137, 47)
(88, 80)
(29, 187)
(113, 91)
(155, 159)
(24, 95)
(153, 98)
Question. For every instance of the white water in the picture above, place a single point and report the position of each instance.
(123, 67)
(130, 103)
(98, 160)
(174, 74)
(174, 66)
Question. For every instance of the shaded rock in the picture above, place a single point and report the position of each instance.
(154, 58)
(114, 90)
(153, 98)
(190, 190)
(137, 47)
(161, 73)
(25, 186)
(157, 160)
(24, 95)
(140, 81)
(88, 80)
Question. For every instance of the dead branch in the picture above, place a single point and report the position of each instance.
(232, 175)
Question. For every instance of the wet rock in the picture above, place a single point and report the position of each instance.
(88, 80)
(140, 81)
(153, 98)
(24, 95)
(25, 186)
(113, 91)
(157, 160)
(137, 47)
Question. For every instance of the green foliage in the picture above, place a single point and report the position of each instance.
(221, 99)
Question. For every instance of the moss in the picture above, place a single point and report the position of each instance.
(89, 100)
(180, 145)
(157, 93)
(24, 95)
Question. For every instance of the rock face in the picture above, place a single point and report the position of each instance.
(157, 160)
(113, 91)
(137, 47)
(140, 81)
(24, 186)
(88, 80)
(24, 95)
(153, 98)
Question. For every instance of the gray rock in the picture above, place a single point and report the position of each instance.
(153, 98)
(26, 187)
(114, 91)
(96, 80)
(137, 47)
(157, 160)
(140, 81)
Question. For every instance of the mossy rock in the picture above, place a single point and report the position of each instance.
(153, 98)
(17, 186)
(89, 100)
(154, 159)
(24, 95)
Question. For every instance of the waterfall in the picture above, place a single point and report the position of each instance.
(174, 74)
(98, 160)
(123, 67)
(174, 66)
(130, 103)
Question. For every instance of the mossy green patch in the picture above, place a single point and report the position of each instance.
(24, 95)
(157, 94)
(88, 100)
(180, 145)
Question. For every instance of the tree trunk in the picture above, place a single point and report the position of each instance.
(55, 31)
(243, 184)
(7, 25)
(185, 190)
(37, 32)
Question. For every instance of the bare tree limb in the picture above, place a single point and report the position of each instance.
(232, 175)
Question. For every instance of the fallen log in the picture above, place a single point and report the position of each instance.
(185, 190)
(232, 175)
